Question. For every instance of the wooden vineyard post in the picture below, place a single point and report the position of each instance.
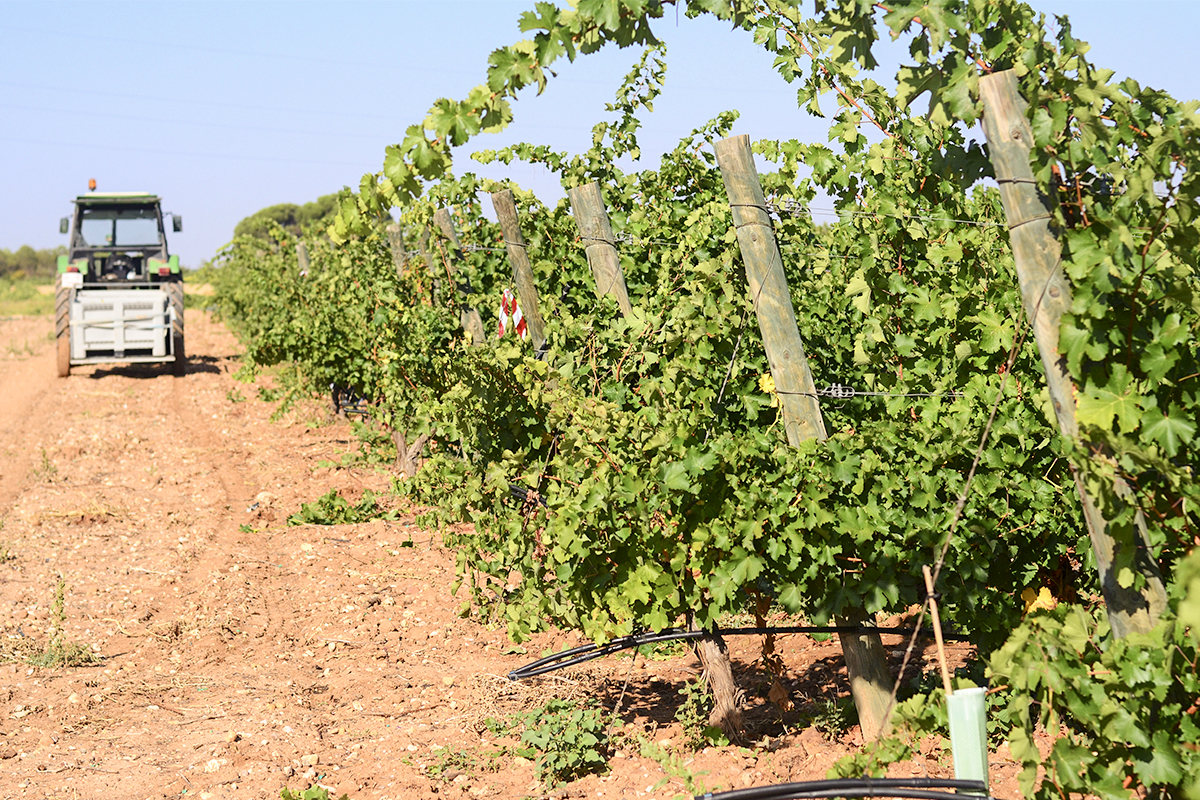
(866, 662)
(408, 456)
(302, 258)
(1046, 296)
(769, 290)
(506, 214)
(468, 316)
(396, 244)
(435, 292)
(587, 206)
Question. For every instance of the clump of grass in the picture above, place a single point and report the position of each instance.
(833, 717)
(60, 652)
(333, 509)
(692, 716)
(468, 761)
(45, 470)
(19, 352)
(6, 553)
(314, 792)
(568, 738)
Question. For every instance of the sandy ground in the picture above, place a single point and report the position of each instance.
(238, 656)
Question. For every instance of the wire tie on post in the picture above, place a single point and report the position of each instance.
(1019, 223)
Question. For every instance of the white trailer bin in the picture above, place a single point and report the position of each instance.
(128, 325)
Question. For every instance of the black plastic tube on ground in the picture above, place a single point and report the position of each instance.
(578, 655)
(918, 788)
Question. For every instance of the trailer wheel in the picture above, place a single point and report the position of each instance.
(62, 328)
(175, 293)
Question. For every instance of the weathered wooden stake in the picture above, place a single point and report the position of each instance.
(866, 662)
(396, 244)
(506, 214)
(870, 679)
(587, 206)
(302, 258)
(468, 316)
(435, 292)
(937, 630)
(769, 290)
(409, 456)
(1046, 296)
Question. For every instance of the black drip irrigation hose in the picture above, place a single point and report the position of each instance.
(919, 788)
(578, 655)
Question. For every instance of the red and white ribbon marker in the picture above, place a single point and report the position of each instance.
(509, 308)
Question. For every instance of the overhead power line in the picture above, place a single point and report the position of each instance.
(343, 133)
(193, 101)
(180, 153)
(173, 45)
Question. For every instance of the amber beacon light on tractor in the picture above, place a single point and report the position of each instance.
(119, 293)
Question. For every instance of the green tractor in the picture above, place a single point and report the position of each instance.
(119, 294)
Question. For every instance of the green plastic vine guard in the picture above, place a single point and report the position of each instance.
(968, 734)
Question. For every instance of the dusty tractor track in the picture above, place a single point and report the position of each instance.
(27, 399)
(239, 655)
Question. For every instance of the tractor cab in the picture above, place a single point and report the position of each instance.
(118, 238)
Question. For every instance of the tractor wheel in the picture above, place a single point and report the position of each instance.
(62, 329)
(64, 356)
(175, 293)
(180, 365)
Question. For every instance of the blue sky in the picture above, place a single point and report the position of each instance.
(223, 108)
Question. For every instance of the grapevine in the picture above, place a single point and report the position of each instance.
(665, 490)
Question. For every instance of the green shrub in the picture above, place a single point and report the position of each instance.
(333, 509)
(568, 739)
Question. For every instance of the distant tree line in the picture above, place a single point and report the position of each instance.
(291, 217)
(27, 262)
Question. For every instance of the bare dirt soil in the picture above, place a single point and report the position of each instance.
(237, 656)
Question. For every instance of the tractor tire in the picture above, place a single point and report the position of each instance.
(175, 293)
(62, 328)
(64, 356)
(180, 365)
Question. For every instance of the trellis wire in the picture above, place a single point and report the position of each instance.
(840, 391)
(849, 213)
